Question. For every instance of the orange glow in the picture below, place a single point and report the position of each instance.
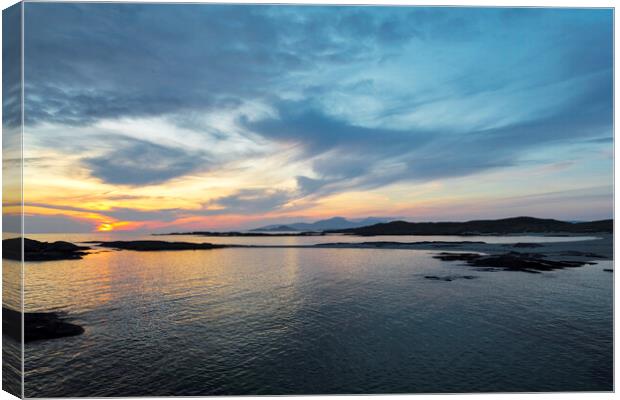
(105, 227)
(118, 226)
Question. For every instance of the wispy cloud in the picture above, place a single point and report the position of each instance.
(249, 201)
(262, 109)
(137, 162)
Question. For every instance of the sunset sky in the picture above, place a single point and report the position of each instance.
(185, 117)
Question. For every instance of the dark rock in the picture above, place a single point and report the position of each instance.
(437, 278)
(526, 262)
(240, 234)
(397, 245)
(527, 245)
(437, 243)
(37, 326)
(63, 246)
(573, 253)
(608, 270)
(449, 278)
(35, 250)
(456, 256)
(157, 245)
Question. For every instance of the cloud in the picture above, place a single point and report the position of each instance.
(168, 59)
(309, 185)
(249, 201)
(354, 98)
(136, 215)
(11, 66)
(117, 213)
(604, 140)
(55, 224)
(347, 156)
(301, 123)
(175, 58)
(137, 162)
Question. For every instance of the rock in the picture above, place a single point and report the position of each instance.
(608, 270)
(526, 262)
(157, 245)
(449, 278)
(573, 253)
(240, 234)
(527, 245)
(63, 246)
(37, 326)
(437, 278)
(456, 256)
(35, 250)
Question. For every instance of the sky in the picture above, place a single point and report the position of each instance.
(154, 118)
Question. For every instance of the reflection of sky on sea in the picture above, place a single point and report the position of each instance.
(301, 240)
(314, 321)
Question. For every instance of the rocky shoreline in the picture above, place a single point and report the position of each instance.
(35, 250)
(527, 257)
(37, 326)
(157, 245)
(482, 256)
(514, 261)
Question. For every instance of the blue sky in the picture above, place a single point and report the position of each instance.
(157, 116)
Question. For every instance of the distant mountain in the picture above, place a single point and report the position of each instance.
(500, 226)
(275, 228)
(322, 225)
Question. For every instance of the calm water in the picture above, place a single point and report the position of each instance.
(304, 240)
(292, 321)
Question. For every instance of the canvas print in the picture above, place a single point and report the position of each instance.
(229, 199)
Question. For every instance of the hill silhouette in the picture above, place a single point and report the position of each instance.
(499, 226)
(321, 225)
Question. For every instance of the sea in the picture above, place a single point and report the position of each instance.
(274, 321)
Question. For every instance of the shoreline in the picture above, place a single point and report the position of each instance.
(526, 257)
(531, 257)
(602, 245)
(347, 234)
(579, 252)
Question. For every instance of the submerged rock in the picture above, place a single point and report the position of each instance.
(526, 262)
(37, 326)
(35, 250)
(574, 253)
(456, 256)
(449, 278)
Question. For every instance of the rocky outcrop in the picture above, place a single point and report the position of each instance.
(35, 250)
(449, 278)
(37, 326)
(158, 245)
(526, 262)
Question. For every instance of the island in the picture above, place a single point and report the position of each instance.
(35, 250)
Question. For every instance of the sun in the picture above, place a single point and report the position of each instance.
(105, 227)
